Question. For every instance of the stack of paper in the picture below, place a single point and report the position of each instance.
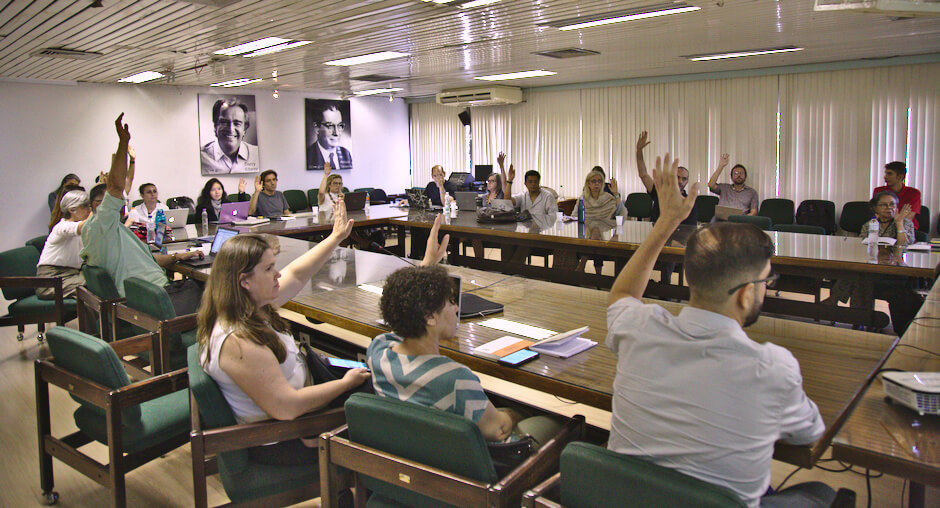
(565, 344)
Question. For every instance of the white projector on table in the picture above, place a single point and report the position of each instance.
(919, 391)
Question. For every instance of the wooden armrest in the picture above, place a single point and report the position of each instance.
(180, 323)
(149, 389)
(136, 317)
(80, 387)
(546, 459)
(134, 345)
(238, 437)
(547, 489)
(30, 282)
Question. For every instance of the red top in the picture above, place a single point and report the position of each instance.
(907, 196)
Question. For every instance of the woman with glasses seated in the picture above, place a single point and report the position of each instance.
(494, 189)
(600, 205)
(331, 187)
(903, 301)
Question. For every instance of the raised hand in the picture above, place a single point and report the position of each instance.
(327, 168)
(904, 214)
(241, 185)
(123, 132)
(500, 159)
(672, 205)
(341, 226)
(641, 143)
(435, 251)
(258, 184)
(511, 176)
(131, 153)
(613, 186)
(723, 161)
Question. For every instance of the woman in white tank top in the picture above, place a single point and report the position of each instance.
(245, 346)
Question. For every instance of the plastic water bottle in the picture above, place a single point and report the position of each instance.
(368, 205)
(581, 211)
(873, 231)
(205, 222)
(151, 231)
(561, 192)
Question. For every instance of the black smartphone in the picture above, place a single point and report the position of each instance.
(346, 364)
(518, 358)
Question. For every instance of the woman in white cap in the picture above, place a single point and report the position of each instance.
(59, 256)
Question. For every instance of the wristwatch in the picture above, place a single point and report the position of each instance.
(508, 181)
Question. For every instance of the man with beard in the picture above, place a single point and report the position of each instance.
(734, 194)
(692, 392)
(228, 153)
(330, 126)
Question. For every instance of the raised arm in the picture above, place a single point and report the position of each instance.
(713, 181)
(324, 188)
(253, 204)
(634, 277)
(434, 251)
(299, 272)
(118, 173)
(641, 163)
(902, 219)
(131, 167)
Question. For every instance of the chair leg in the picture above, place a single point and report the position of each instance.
(20, 329)
(116, 461)
(44, 427)
(42, 329)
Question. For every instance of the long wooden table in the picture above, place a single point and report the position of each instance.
(837, 364)
(891, 438)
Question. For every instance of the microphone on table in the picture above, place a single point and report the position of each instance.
(375, 245)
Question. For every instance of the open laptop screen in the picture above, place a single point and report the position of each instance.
(221, 236)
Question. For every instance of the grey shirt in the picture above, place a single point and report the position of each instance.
(745, 199)
(271, 206)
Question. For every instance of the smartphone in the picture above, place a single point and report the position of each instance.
(346, 364)
(518, 358)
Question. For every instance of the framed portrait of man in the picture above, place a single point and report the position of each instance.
(228, 134)
(329, 134)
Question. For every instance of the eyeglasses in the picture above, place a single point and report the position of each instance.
(490, 180)
(886, 205)
(335, 127)
(596, 182)
(770, 281)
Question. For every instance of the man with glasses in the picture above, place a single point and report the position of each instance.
(693, 392)
(330, 126)
(229, 153)
(735, 194)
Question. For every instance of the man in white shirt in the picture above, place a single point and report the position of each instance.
(693, 392)
(536, 199)
(229, 153)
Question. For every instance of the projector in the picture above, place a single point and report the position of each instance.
(919, 391)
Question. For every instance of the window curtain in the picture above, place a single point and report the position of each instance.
(437, 137)
(490, 128)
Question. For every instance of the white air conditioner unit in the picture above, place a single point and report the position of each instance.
(484, 96)
(898, 8)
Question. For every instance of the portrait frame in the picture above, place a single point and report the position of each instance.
(337, 142)
(214, 143)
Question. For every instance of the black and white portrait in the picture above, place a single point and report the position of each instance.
(228, 134)
(329, 136)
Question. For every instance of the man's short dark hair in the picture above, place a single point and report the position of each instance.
(228, 103)
(878, 195)
(736, 166)
(318, 118)
(97, 192)
(412, 295)
(898, 167)
(266, 172)
(723, 255)
(534, 173)
(143, 186)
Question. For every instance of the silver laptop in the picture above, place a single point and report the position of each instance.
(723, 212)
(176, 217)
(466, 200)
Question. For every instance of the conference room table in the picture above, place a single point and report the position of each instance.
(837, 364)
(891, 438)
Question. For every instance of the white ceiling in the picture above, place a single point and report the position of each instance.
(448, 45)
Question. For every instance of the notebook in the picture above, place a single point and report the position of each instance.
(472, 305)
(355, 200)
(176, 217)
(221, 236)
(231, 212)
(467, 200)
(417, 198)
(723, 212)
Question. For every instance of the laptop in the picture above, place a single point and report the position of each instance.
(221, 236)
(176, 217)
(231, 212)
(466, 200)
(417, 198)
(723, 212)
(472, 305)
(355, 200)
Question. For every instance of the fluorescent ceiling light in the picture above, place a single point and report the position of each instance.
(248, 47)
(236, 82)
(141, 77)
(372, 57)
(631, 17)
(737, 54)
(275, 49)
(516, 75)
(477, 3)
(442, 1)
(378, 90)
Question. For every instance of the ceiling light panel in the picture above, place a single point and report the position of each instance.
(742, 53)
(372, 57)
(477, 3)
(275, 49)
(516, 75)
(249, 47)
(236, 82)
(378, 91)
(638, 13)
(141, 77)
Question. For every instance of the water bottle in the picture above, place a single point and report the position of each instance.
(561, 192)
(873, 231)
(368, 205)
(205, 222)
(151, 231)
(160, 217)
(581, 211)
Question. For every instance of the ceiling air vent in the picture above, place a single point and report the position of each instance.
(567, 53)
(375, 78)
(484, 96)
(70, 54)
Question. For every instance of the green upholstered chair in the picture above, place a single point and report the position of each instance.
(345, 190)
(923, 220)
(238, 197)
(817, 212)
(96, 303)
(378, 196)
(854, 214)
(595, 477)
(780, 211)
(410, 455)
(639, 205)
(18, 282)
(296, 200)
(800, 228)
(182, 202)
(705, 207)
(218, 442)
(920, 236)
(143, 420)
(137, 202)
(148, 308)
(761, 222)
(364, 189)
(313, 197)
(40, 241)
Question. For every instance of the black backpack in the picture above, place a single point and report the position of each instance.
(814, 212)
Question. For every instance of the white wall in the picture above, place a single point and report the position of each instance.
(48, 130)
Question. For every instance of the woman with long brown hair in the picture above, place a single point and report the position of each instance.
(246, 347)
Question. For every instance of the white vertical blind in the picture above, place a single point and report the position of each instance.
(490, 128)
(923, 156)
(437, 137)
(546, 137)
